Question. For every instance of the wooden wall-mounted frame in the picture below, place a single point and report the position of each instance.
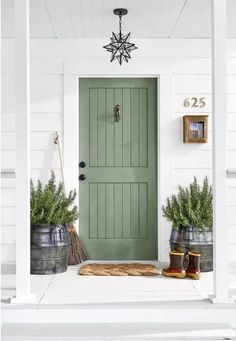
(195, 129)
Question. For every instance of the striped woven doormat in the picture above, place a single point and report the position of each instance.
(121, 269)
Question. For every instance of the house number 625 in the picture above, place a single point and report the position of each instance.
(195, 102)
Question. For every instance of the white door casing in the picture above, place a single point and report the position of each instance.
(164, 145)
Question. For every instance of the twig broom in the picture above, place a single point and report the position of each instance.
(77, 253)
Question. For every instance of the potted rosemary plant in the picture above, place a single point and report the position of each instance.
(191, 213)
(50, 211)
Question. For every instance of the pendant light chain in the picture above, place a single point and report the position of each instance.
(120, 25)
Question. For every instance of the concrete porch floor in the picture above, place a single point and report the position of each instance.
(70, 288)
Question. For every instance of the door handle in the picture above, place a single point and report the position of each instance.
(82, 177)
(82, 164)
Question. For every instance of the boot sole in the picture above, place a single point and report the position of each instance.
(174, 274)
(193, 276)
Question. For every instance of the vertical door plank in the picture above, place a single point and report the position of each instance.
(143, 119)
(110, 128)
(93, 211)
(101, 212)
(101, 127)
(143, 210)
(134, 208)
(93, 129)
(118, 210)
(118, 130)
(126, 211)
(110, 211)
(126, 127)
(134, 127)
(84, 128)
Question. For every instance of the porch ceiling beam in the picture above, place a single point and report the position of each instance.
(22, 81)
(219, 55)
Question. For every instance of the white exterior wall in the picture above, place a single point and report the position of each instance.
(188, 65)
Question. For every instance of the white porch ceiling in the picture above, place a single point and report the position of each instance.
(94, 18)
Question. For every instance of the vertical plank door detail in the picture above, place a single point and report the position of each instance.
(118, 198)
(118, 145)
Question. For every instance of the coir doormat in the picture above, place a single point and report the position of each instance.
(121, 269)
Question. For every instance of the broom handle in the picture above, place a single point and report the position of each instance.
(80, 250)
(57, 142)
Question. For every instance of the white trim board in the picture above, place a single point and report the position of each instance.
(54, 66)
(115, 331)
(164, 169)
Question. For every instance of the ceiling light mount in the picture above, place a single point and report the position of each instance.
(120, 46)
(120, 11)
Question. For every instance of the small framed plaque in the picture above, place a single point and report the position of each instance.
(195, 129)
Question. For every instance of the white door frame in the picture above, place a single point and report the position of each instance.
(164, 173)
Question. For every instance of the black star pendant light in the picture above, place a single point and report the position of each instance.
(120, 45)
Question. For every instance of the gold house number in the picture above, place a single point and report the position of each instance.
(195, 102)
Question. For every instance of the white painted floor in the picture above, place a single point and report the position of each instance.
(70, 288)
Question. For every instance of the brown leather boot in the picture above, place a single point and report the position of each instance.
(193, 269)
(176, 268)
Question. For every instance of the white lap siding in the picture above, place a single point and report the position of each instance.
(46, 118)
(195, 159)
(191, 76)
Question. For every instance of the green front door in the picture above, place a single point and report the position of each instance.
(118, 197)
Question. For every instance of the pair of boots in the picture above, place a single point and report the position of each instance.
(176, 268)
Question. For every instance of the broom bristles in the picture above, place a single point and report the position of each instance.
(77, 253)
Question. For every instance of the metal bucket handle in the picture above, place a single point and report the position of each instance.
(54, 232)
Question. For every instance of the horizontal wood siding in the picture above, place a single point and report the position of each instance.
(191, 160)
(190, 75)
(46, 118)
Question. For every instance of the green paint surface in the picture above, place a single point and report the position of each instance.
(118, 199)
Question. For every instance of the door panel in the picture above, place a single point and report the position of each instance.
(118, 197)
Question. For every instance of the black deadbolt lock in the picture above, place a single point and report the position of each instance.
(82, 177)
(82, 164)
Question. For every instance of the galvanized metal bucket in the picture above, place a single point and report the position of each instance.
(186, 239)
(50, 246)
